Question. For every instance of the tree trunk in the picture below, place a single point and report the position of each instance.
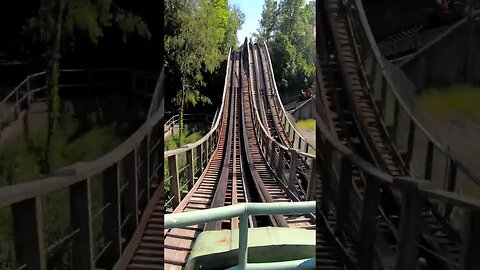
(52, 74)
(180, 116)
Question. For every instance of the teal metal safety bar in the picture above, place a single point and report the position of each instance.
(244, 210)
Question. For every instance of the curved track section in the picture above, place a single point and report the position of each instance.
(264, 97)
(357, 123)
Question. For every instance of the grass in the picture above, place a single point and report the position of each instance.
(308, 124)
(20, 161)
(460, 100)
(172, 143)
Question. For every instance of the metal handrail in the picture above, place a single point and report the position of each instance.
(175, 118)
(244, 210)
(27, 82)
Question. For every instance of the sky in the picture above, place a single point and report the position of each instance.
(253, 11)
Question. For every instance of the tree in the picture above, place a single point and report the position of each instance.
(287, 27)
(268, 21)
(57, 22)
(198, 36)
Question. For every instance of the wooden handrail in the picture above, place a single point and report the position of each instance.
(356, 13)
(414, 191)
(277, 99)
(216, 124)
(140, 159)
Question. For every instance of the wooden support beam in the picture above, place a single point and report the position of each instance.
(312, 183)
(111, 216)
(131, 195)
(81, 218)
(174, 180)
(396, 112)
(343, 194)
(281, 154)
(28, 234)
(429, 161)
(451, 184)
(272, 155)
(410, 142)
(205, 154)
(383, 96)
(149, 166)
(199, 160)
(190, 169)
(293, 169)
(142, 174)
(471, 241)
(369, 224)
(373, 73)
(268, 145)
(410, 222)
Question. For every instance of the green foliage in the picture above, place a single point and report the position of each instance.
(307, 124)
(194, 45)
(86, 17)
(59, 20)
(456, 100)
(188, 137)
(287, 27)
(172, 143)
(268, 21)
(198, 36)
(130, 23)
(191, 97)
(20, 163)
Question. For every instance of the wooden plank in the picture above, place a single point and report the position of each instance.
(111, 216)
(81, 218)
(28, 234)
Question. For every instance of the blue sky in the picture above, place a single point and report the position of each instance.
(253, 11)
